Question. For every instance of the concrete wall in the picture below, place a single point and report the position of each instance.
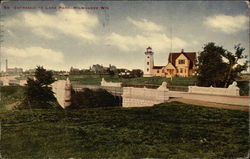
(232, 90)
(110, 84)
(62, 90)
(141, 97)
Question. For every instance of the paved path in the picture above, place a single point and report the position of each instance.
(211, 104)
(226, 100)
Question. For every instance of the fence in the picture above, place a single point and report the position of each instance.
(152, 86)
(138, 97)
(232, 90)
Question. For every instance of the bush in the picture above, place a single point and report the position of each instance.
(38, 93)
(244, 88)
(11, 96)
(94, 98)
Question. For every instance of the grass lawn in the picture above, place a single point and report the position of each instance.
(169, 130)
(176, 81)
(10, 96)
(96, 80)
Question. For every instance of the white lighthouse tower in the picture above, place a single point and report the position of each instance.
(149, 63)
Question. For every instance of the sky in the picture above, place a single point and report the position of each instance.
(55, 35)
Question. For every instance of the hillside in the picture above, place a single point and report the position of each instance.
(169, 130)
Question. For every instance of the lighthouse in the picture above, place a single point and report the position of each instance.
(149, 63)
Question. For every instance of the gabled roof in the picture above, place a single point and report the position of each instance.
(190, 55)
(158, 67)
(170, 64)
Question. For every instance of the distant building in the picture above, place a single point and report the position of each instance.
(179, 64)
(99, 68)
(112, 68)
(13, 71)
(30, 71)
(72, 69)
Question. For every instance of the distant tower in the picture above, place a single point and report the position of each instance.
(149, 63)
(6, 65)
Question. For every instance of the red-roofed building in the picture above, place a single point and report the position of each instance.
(179, 64)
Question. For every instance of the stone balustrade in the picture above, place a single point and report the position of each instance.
(141, 97)
(110, 84)
(232, 90)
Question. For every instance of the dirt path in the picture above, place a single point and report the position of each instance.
(210, 104)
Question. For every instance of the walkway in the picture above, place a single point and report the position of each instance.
(225, 99)
(211, 104)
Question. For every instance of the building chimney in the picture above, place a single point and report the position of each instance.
(182, 50)
(6, 65)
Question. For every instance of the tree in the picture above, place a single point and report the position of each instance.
(219, 67)
(136, 73)
(38, 92)
(234, 68)
(111, 72)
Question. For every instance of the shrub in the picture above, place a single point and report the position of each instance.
(244, 88)
(38, 93)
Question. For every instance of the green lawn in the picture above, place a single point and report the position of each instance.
(96, 80)
(183, 82)
(169, 130)
(10, 96)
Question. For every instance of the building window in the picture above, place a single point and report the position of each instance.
(147, 69)
(148, 56)
(158, 71)
(147, 63)
(181, 70)
(162, 71)
(181, 61)
(177, 70)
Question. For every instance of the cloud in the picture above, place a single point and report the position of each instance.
(35, 54)
(146, 25)
(43, 33)
(76, 23)
(149, 34)
(227, 24)
(158, 41)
